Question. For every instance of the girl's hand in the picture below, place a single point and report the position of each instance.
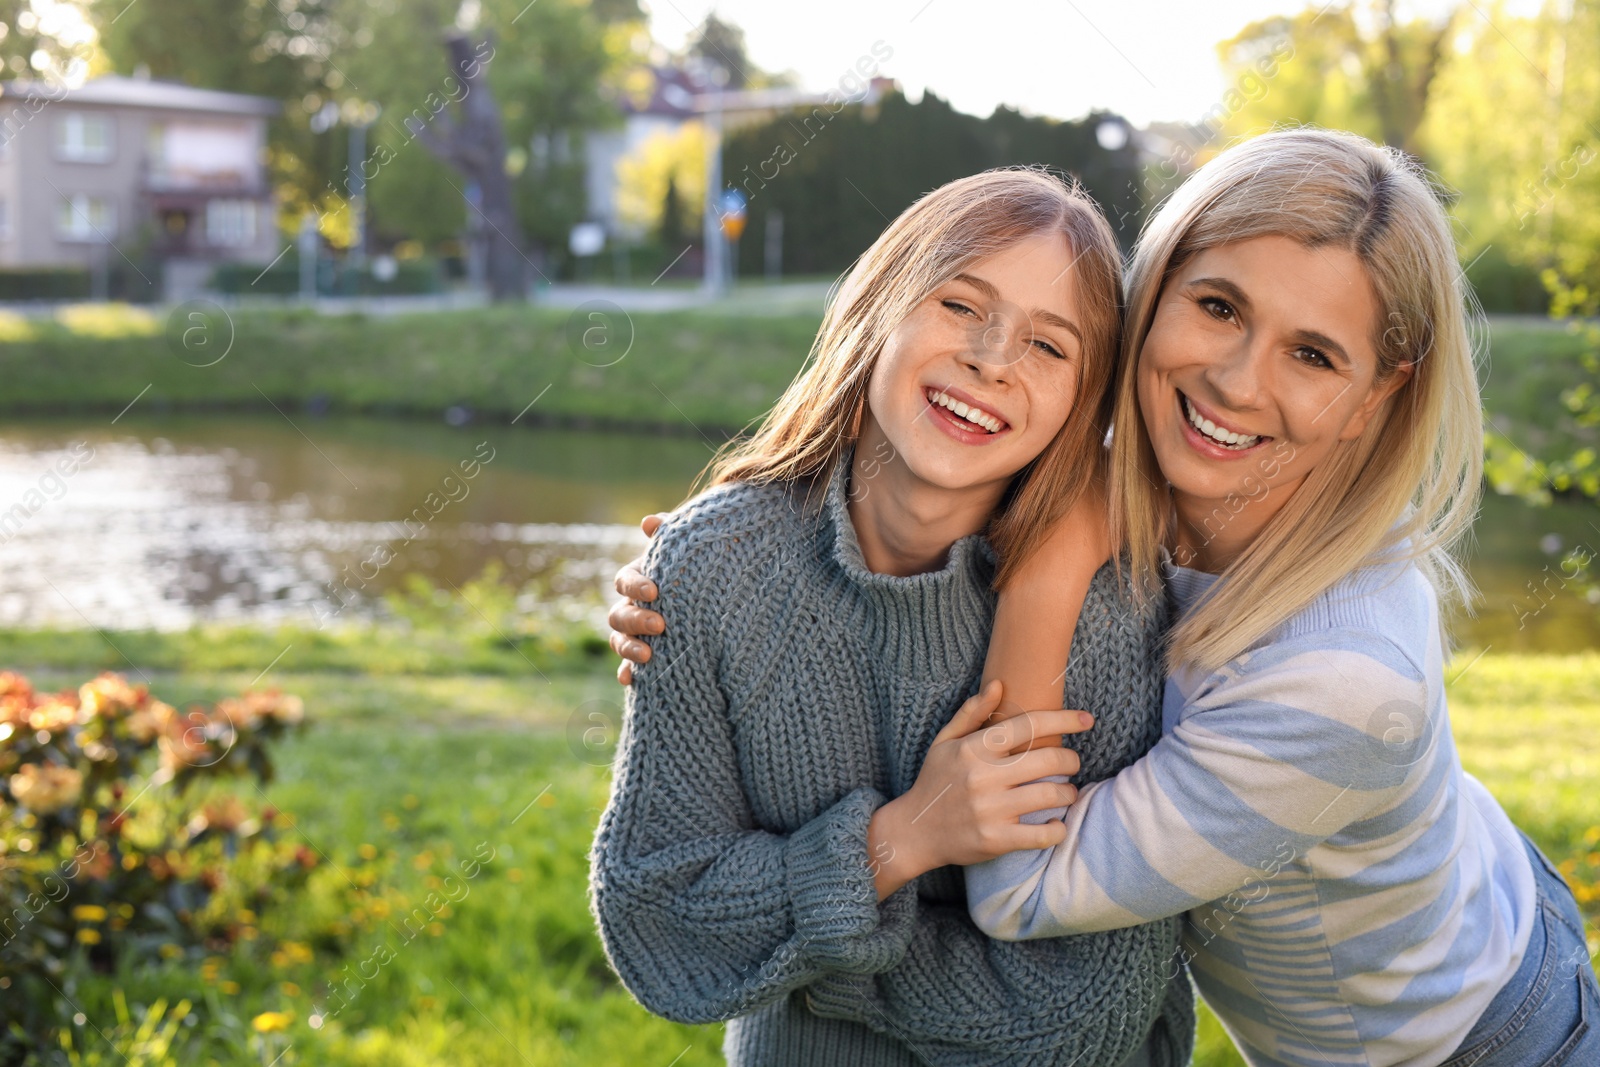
(976, 783)
(629, 621)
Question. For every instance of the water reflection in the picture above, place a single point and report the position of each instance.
(175, 520)
(193, 519)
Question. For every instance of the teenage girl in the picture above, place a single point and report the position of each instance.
(832, 600)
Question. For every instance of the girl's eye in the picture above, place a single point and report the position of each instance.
(1218, 308)
(1311, 357)
(1048, 348)
(958, 307)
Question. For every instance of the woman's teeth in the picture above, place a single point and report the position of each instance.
(1225, 438)
(982, 419)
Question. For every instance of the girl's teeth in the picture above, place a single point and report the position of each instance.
(975, 416)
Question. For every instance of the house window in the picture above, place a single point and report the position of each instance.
(83, 137)
(231, 222)
(81, 217)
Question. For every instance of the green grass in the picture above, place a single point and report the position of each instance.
(427, 767)
(709, 370)
(682, 369)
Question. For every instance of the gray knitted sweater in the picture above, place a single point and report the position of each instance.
(794, 692)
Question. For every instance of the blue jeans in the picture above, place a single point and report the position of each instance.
(1548, 1013)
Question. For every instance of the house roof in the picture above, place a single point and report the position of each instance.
(143, 92)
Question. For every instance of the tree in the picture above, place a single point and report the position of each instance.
(671, 229)
(33, 46)
(474, 144)
(547, 78)
(676, 161)
(1372, 75)
(722, 44)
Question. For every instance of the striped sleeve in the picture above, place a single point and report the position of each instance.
(1269, 757)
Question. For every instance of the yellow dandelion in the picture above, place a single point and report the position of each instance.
(367, 852)
(289, 989)
(514, 874)
(169, 951)
(88, 936)
(436, 929)
(269, 1021)
(89, 913)
(230, 987)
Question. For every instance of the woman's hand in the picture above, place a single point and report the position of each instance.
(976, 783)
(630, 621)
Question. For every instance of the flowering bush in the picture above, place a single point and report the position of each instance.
(103, 858)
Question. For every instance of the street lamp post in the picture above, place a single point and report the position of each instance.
(715, 272)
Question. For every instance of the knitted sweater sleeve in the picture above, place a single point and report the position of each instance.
(703, 914)
(960, 997)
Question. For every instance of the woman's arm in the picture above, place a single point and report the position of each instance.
(1271, 757)
(1038, 609)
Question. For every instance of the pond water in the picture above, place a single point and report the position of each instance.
(181, 519)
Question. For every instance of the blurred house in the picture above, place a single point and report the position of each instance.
(660, 99)
(129, 169)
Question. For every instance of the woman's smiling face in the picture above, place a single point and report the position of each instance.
(1258, 362)
(981, 375)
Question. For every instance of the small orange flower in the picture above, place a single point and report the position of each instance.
(45, 787)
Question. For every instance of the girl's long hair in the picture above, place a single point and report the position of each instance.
(1408, 487)
(940, 235)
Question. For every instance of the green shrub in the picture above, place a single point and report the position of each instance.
(105, 859)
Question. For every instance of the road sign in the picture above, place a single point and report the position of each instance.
(731, 207)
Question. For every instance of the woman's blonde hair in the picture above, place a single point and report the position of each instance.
(1408, 487)
(934, 239)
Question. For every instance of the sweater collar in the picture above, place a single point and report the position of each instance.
(971, 558)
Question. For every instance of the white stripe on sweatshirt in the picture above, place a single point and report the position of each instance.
(1353, 896)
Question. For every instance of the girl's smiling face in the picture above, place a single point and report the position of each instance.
(1259, 361)
(981, 375)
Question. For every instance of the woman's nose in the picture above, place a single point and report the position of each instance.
(1236, 374)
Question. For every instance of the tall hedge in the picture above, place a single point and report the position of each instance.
(839, 176)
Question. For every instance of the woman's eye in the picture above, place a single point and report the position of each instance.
(1048, 348)
(1217, 307)
(958, 307)
(1311, 357)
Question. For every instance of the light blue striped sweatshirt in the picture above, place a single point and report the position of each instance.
(1353, 896)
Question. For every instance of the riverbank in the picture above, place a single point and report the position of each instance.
(681, 371)
(706, 372)
(409, 765)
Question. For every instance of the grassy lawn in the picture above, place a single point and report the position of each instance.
(406, 775)
(707, 371)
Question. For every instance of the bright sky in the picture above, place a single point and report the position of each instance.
(1148, 61)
